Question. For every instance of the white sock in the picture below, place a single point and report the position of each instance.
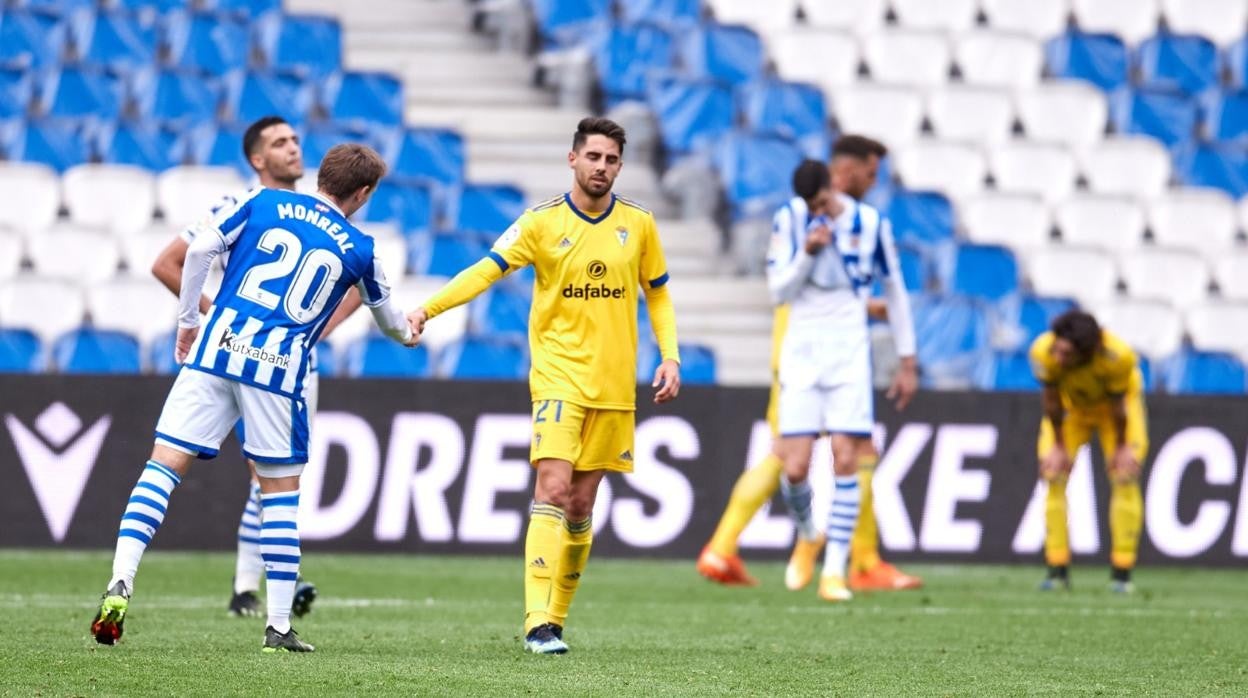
(797, 496)
(145, 511)
(841, 519)
(249, 565)
(279, 546)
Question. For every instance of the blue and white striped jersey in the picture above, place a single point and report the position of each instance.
(292, 258)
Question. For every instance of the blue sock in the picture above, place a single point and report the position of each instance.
(279, 546)
(797, 496)
(145, 511)
(249, 565)
(841, 519)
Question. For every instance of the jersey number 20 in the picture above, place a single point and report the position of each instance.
(318, 264)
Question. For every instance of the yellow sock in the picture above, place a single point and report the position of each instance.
(541, 553)
(574, 553)
(753, 489)
(1056, 540)
(864, 547)
(1126, 517)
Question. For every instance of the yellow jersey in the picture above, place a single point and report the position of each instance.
(1112, 371)
(583, 322)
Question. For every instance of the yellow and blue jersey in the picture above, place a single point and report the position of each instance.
(1113, 371)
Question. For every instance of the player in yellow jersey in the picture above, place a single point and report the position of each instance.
(854, 166)
(591, 250)
(1092, 383)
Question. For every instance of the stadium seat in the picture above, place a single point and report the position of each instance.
(210, 44)
(952, 336)
(625, 56)
(17, 92)
(676, 14)
(1177, 276)
(756, 172)
(1036, 315)
(1230, 271)
(1038, 19)
(504, 311)
(1224, 116)
(921, 218)
(375, 356)
(82, 92)
(1219, 326)
(188, 193)
(1112, 223)
(568, 22)
(245, 9)
(89, 350)
(1170, 117)
(47, 307)
(1153, 328)
(725, 53)
(999, 59)
(306, 46)
(39, 190)
(392, 251)
(692, 114)
(74, 255)
(117, 39)
(1188, 64)
(697, 363)
(824, 57)
(158, 356)
(862, 18)
(143, 144)
(980, 115)
(482, 358)
(1205, 373)
(1101, 59)
(1133, 20)
(1033, 168)
(10, 255)
(328, 364)
(950, 16)
(318, 138)
(20, 351)
(136, 304)
(445, 329)
(891, 114)
(448, 255)
(404, 202)
(362, 99)
(139, 251)
(1201, 220)
(906, 57)
(486, 209)
(915, 271)
(433, 153)
(31, 40)
(1131, 165)
(1070, 112)
(1222, 167)
(250, 96)
(1221, 21)
(1006, 370)
(1021, 222)
(954, 169)
(791, 110)
(119, 198)
(986, 272)
(139, 6)
(1235, 64)
(1087, 275)
(764, 18)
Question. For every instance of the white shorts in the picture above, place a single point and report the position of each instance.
(825, 387)
(202, 408)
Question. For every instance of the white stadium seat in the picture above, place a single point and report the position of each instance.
(763, 18)
(186, 194)
(1025, 167)
(74, 254)
(1131, 20)
(903, 57)
(943, 15)
(999, 59)
(39, 190)
(891, 114)
(1072, 112)
(307, 183)
(954, 169)
(862, 17)
(1153, 328)
(1018, 221)
(119, 198)
(1221, 21)
(447, 328)
(1112, 223)
(10, 254)
(1219, 327)
(980, 115)
(1041, 20)
(1243, 214)
(137, 305)
(1134, 165)
(1178, 276)
(1231, 272)
(47, 307)
(824, 57)
(139, 251)
(1087, 275)
(392, 251)
(1201, 220)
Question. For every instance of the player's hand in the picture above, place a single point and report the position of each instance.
(667, 380)
(1055, 464)
(417, 319)
(415, 328)
(905, 383)
(817, 239)
(877, 309)
(182, 347)
(1125, 467)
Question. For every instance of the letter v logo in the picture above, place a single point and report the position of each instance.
(58, 478)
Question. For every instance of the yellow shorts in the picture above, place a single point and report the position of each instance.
(588, 438)
(1078, 426)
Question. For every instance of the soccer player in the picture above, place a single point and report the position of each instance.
(855, 163)
(591, 250)
(1092, 382)
(273, 150)
(293, 258)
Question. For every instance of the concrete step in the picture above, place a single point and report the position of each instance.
(723, 321)
(740, 294)
(438, 67)
(699, 237)
(553, 176)
(396, 13)
(491, 124)
(416, 37)
(474, 95)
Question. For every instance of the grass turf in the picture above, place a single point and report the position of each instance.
(402, 625)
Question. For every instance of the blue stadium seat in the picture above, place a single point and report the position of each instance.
(692, 114)
(159, 6)
(447, 255)
(504, 311)
(486, 208)
(881, 195)
(405, 202)
(159, 355)
(626, 56)
(915, 269)
(58, 144)
(988, 272)
(1224, 167)
(1168, 116)
(953, 333)
(1224, 115)
(1006, 370)
(58, 8)
(1101, 59)
(20, 352)
(756, 171)
(249, 96)
(1036, 314)
(31, 40)
(87, 350)
(1205, 373)
(318, 138)
(327, 358)
(82, 92)
(726, 53)
(1172, 62)
(432, 153)
(243, 8)
(17, 89)
(1146, 371)
(921, 218)
(568, 22)
(678, 14)
(210, 44)
(1235, 63)
(174, 96)
(484, 358)
(374, 356)
(120, 40)
(697, 362)
(308, 46)
(143, 144)
(791, 110)
(213, 144)
(361, 98)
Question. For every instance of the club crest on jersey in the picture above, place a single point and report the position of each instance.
(622, 233)
(229, 342)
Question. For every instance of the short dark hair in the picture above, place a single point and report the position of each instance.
(859, 147)
(347, 167)
(809, 178)
(1080, 329)
(597, 125)
(251, 137)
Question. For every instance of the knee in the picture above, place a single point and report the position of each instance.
(845, 460)
(553, 491)
(579, 507)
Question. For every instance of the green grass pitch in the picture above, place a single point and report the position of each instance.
(406, 625)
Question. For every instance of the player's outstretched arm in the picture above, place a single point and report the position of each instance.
(466, 285)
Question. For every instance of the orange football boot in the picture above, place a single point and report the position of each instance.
(883, 577)
(729, 571)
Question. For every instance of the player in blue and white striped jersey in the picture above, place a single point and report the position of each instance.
(293, 258)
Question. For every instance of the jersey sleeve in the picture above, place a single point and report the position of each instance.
(900, 317)
(788, 264)
(374, 289)
(1042, 365)
(1121, 367)
(653, 268)
(516, 247)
